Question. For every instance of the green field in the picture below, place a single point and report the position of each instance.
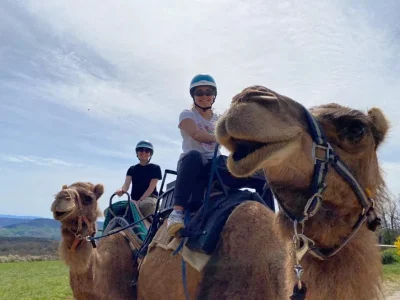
(47, 280)
(392, 272)
(39, 280)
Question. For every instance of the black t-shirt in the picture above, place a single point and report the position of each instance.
(141, 177)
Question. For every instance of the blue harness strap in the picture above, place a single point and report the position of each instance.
(178, 249)
(184, 280)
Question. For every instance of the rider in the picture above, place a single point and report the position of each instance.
(144, 177)
(197, 129)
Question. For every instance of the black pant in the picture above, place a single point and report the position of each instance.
(193, 174)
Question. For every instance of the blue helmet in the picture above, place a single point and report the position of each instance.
(202, 79)
(145, 144)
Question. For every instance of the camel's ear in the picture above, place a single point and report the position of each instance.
(98, 190)
(64, 187)
(380, 125)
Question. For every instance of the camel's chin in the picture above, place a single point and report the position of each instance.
(270, 155)
(61, 215)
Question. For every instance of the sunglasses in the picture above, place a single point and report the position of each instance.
(200, 93)
(147, 150)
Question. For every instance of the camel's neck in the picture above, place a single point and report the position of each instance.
(353, 273)
(79, 259)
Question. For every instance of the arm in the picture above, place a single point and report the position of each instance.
(191, 128)
(150, 189)
(125, 187)
(127, 183)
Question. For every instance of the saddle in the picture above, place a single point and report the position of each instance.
(120, 214)
(204, 229)
(205, 219)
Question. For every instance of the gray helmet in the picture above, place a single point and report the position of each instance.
(145, 144)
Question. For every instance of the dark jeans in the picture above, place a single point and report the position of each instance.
(193, 174)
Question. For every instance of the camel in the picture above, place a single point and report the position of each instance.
(101, 273)
(326, 235)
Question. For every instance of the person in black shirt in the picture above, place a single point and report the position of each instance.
(144, 178)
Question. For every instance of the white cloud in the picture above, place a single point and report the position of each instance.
(40, 161)
(317, 53)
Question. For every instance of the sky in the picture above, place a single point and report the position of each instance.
(81, 82)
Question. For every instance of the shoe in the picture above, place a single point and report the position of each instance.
(175, 222)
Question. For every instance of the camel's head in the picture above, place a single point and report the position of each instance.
(265, 130)
(71, 198)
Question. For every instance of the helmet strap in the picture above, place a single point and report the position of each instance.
(203, 108)
(151, 154)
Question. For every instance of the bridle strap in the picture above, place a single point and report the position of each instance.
(78, 234)
(325, 254)
(321, 165)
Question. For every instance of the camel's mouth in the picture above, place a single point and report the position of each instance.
(61, 215)
(249, 156)
(244, 148)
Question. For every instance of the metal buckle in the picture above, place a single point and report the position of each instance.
(308, 214)
(322, 147)
(302, 245)
(366, 210)
(372, 203)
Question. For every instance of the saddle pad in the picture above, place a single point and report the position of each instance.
(205, 228)
(162, 240)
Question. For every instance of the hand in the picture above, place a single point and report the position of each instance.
(120, 192)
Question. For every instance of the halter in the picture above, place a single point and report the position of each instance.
(317, 187)
(79, 237)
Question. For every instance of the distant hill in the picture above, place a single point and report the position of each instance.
(41, 228)
(44, 228)
(28, 246)
(5, 221)
(18, 217)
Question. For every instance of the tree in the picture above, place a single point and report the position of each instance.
(390, 220)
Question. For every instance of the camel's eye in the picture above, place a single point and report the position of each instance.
(353, 130)
(86, 199)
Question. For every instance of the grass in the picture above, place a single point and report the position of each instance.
(48, 280)
(391, 276)
(38, 280)
(392, 272)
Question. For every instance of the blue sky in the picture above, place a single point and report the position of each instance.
(82, 81)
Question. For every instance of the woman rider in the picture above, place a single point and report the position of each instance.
(144, 177)
(197, 127)
(198, 143)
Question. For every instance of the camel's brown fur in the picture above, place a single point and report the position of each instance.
(252, 260)
(102, 273)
